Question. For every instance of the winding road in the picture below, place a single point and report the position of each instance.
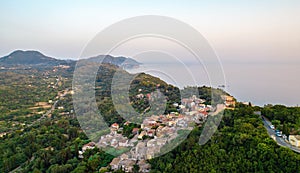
(279, 140)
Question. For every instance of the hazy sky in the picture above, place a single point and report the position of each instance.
(258, 41)
(239, 30)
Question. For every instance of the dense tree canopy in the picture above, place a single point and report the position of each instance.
(240, 145)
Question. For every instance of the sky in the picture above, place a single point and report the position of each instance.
(239, 30)
(263, 33)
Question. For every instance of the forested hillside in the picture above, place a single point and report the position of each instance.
(286, 119)
(240, 145)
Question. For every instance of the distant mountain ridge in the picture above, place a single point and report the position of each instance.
(20, 57)
(118, 61)
(35, 58)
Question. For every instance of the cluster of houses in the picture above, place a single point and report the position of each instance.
(115, 139)
(155, 132)
(56, 68)
(126, 164)
(196, 108)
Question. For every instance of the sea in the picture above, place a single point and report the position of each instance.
(258, 83)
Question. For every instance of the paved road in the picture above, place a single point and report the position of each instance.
(45, 114)
(280, 141)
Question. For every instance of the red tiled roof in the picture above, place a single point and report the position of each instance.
(135, 130)
(115, 125)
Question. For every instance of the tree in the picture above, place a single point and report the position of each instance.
(93, 162)
(36, 171)
(76, 149)
(276, 123)
(285, 129)
(136, 168)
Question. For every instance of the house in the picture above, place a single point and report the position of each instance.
(90, 145)
(204, 113)
(168, 130)
(144, 166)
(180, 116)
(140, 96)
(49, 148)
(114, 143)
(159, 132)
(148, 124)
(143, 133)
(127, 165)
(80, 154)
(151, 123)
(124, 156)
(60, 107)
(161, 141)
(140, 151)
(151, 132)
(2, 134)
(295, 140)
(115, 126)
(171, 116)
(64, 113)
(229, 101)
(171, 123)
(135, 131)
(151, 152)
(114, 164)
(202, 106)
(182, 123)
(148, 96)
(181, 107)
(151, 143)
(123, 143)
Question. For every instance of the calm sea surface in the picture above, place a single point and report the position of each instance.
(258, 83)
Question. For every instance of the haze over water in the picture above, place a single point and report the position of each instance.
(259, 84)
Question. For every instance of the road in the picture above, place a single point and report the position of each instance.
(45, 115)
(280, 141)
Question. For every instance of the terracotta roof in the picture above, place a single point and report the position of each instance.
(91, 144)
(115, 125)
(135, 130)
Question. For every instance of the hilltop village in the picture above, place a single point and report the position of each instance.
(147, 140)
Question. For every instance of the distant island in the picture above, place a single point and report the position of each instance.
(35, 58)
